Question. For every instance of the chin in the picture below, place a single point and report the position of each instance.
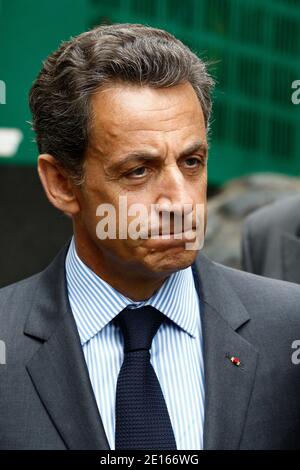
(171, 260)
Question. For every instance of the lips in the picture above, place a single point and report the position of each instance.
(170, 240)
(172, 233)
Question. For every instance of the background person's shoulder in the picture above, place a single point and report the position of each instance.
(270, 240)
(279, 214)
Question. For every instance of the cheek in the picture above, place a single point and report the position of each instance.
(90, 204)
(203, 182)
(129, 206)
(90, 209)
(199, 188)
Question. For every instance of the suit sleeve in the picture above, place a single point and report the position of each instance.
(246, 252)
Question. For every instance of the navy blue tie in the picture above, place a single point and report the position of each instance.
(142, 418)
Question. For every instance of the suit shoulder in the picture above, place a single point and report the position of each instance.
(22, 284)
(18, 293)
(246, 280)
(259, 293)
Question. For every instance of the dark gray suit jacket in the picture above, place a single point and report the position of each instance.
(271, 240)
(46, 398)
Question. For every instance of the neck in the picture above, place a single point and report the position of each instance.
(126, 277)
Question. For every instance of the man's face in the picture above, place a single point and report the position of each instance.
(148, 145)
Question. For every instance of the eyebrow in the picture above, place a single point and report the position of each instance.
(144, 155)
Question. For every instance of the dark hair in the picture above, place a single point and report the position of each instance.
(60, 96)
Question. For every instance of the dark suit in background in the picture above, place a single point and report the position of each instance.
(46, 397)
(271, 240)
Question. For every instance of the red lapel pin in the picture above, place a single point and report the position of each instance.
(234, 360)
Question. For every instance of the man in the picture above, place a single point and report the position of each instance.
(122, 111)
(270, 240)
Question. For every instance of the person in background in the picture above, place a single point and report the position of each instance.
(271, 240)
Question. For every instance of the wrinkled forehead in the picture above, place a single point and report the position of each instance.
(128, 115)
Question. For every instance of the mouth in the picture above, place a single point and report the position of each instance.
(161, 233)
(172, 240)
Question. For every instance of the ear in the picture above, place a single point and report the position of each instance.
(58, 185)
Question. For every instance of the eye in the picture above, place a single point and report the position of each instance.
(137, 172)
(193, 162)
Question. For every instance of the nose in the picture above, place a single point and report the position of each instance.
(174, 200)
(173, 190)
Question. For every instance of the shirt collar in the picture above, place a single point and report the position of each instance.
(95, 303)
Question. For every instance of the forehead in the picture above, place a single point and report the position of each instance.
(127, 116)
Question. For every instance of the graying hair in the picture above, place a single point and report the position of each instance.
(133, 53)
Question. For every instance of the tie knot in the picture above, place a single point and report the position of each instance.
(139, 326)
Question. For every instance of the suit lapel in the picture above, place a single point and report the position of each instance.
(290, 258)
(58, 369)
(228, 387)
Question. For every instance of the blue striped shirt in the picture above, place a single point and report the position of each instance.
(176, 350)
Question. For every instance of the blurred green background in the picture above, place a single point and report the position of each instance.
(254, 46)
